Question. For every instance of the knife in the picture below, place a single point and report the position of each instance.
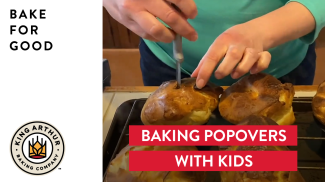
(178, 53)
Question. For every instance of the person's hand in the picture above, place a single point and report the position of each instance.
(140, 16)
(241, 46)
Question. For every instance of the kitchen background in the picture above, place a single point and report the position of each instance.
(120, 49)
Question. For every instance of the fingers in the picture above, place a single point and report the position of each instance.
(233, 56)
(173, 18)
(188, 7)
(262, 63)
(208, 64)
(153, 27)
(249, 59)
(130, 24)
(140, 32)
(145, 13)
(237, 62)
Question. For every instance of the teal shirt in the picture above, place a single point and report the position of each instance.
(216, 16)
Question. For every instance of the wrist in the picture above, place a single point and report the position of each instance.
(258, 35)
(262, 33)
(285, 24)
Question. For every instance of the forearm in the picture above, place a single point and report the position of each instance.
(287, 23)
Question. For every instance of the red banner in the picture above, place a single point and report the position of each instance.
(213, 161)
(215, 135)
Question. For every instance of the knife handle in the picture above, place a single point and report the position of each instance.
(178, 48)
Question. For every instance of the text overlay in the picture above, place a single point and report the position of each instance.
(213, 161)
(213, 135)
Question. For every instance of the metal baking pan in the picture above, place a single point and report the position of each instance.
(311, 138)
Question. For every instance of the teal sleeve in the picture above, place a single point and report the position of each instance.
(317, 9)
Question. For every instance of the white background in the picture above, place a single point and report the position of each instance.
(62, 87)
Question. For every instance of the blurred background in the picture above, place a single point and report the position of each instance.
(120, 48)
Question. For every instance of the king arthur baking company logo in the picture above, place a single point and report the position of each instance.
(37, 148)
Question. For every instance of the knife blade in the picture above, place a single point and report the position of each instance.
(178, 55)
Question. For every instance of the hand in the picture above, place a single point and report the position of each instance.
(140, 16)
(241, 46)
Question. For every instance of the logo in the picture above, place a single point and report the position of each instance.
(37, 148)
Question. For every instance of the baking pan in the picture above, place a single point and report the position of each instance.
(311, 138)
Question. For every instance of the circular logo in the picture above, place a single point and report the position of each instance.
(37, 148)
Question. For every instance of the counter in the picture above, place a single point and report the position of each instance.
(113, 97)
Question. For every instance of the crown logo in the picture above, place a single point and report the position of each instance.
(37, 149)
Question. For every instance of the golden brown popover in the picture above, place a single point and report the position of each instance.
(259, 94)
(260, 176)
(186, 105)
(118, 170)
